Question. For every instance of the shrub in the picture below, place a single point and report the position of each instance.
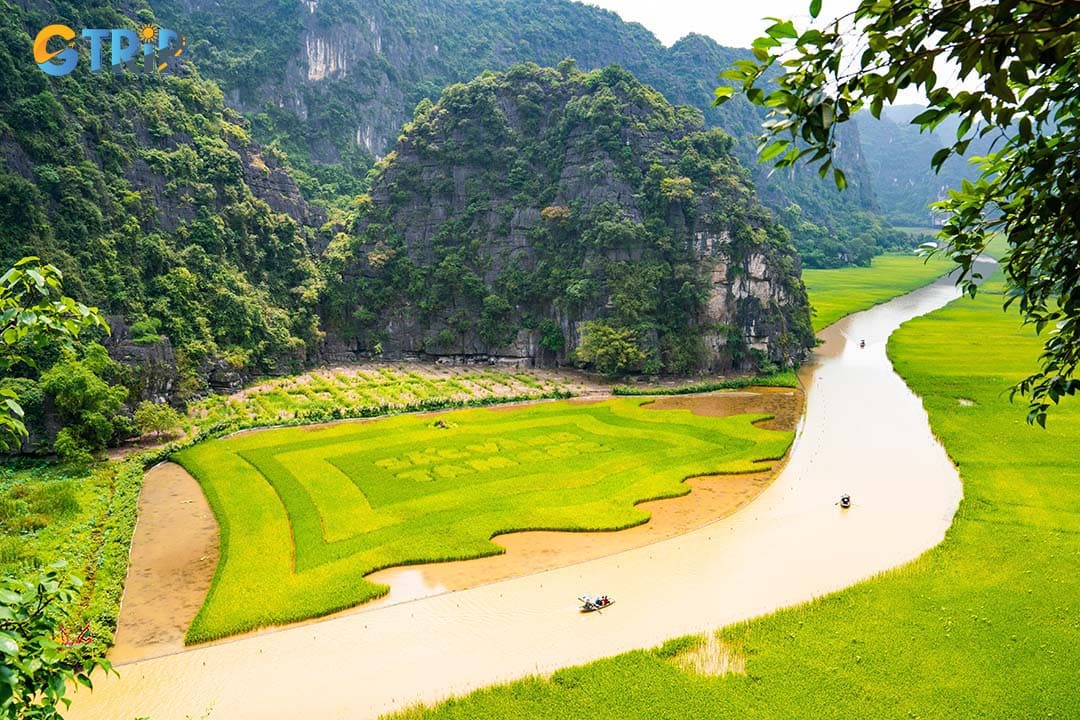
(610, 350)
(37, 670)
(72, 449)
(156, 418)
(146, 332)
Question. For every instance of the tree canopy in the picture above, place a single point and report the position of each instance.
(34, 312)
(1019, 62)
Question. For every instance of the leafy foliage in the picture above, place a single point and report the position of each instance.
(34, 312)
(156, 418)
(86, 401)
(140, 190)
(37, 668)
(612, 351)
(1025, 56)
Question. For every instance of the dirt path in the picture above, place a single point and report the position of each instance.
(174, 551)
(864, 433)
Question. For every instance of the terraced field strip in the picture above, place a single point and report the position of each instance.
(346, 392)
(306, 513)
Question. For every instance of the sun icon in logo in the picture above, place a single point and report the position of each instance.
(148, 34)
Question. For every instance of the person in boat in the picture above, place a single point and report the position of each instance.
(862, 343)
(845, 501)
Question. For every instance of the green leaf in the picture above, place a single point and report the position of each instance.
(773, 150)
(785, 29)
(13, 407)
(815, 8)
(36, 276)
(8, 646)
(926, 117)
(839, 178)
(723, 94)
(939, 158)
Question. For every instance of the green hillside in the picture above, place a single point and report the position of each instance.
(567, 216)
(331, 82)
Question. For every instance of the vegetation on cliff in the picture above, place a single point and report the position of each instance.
(330, 82)
(140, 189)
(527, 209)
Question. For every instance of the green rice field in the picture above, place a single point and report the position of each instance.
(306, 512)
(842, 291)
(986, 625)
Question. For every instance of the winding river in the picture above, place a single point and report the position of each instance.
(864, 433)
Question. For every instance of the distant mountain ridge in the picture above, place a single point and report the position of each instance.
(898, 156)
(332, 81)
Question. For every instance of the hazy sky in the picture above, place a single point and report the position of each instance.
(730, 22)
(736, 23)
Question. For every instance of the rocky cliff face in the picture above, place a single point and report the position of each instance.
(152, 364)
(524, 208)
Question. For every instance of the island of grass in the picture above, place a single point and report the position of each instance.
(305, 513)
(983, 626)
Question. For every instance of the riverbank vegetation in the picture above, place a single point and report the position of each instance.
(306, 512)
(787, 378)
(982, 626)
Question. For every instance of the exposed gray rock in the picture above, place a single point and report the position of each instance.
(153, 365)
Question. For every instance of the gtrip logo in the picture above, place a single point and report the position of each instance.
(150, 49)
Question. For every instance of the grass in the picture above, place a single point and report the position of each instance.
(840, 292)
(986, 625)
(305, 513)
(49, 512)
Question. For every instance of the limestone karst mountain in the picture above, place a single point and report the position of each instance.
(526, 209)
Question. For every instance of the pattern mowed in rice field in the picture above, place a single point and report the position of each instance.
(305, 513)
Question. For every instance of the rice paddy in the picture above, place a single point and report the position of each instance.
(373, 390)
(305, 513)
(983, 626)
(842, 291)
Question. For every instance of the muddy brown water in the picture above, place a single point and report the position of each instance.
(864, 433)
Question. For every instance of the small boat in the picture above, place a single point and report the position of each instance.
(845, 501)
(590, 603)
